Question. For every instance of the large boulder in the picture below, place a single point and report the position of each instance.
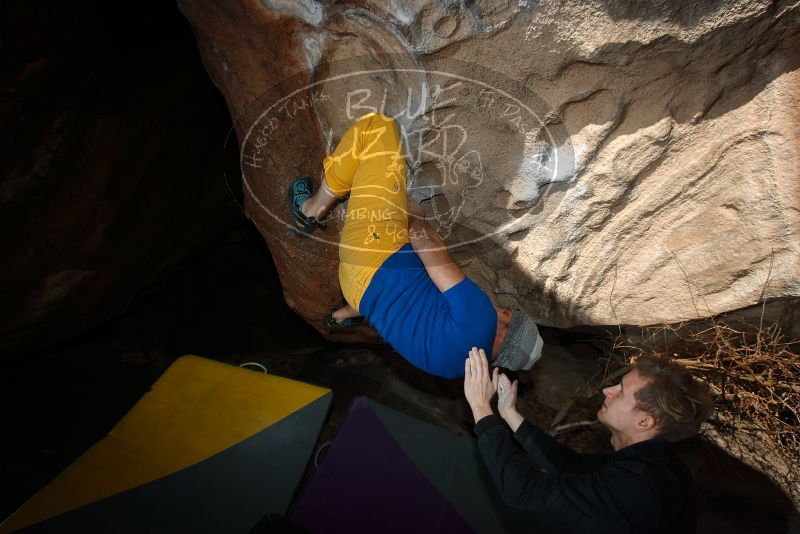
(594, 163)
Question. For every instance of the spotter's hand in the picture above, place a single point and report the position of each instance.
(479, 385)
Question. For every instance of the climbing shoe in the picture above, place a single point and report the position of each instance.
(344, 324)
(299, 191)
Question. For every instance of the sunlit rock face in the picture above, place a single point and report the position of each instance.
(112, 165)
(594, 163)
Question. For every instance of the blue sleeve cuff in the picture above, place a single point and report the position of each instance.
(450, 292)
(471, 309)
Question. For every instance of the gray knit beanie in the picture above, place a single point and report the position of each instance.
(522, 346)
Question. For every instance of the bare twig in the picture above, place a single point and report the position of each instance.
(761, 297)
(611, 300)
(688, 283)
(566, 427)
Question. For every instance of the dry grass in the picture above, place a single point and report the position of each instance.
(753, 371)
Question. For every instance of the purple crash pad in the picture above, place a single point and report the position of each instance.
(366, 483)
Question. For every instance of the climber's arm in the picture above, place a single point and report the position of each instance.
(431, 249)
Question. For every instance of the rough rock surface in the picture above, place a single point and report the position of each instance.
(112, 164)
(639, 166)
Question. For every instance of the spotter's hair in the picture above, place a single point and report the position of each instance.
(677, 402)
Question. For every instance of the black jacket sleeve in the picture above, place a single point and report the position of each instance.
(566, 499)
(551, 455)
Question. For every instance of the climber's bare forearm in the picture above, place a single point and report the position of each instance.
(431, 249)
